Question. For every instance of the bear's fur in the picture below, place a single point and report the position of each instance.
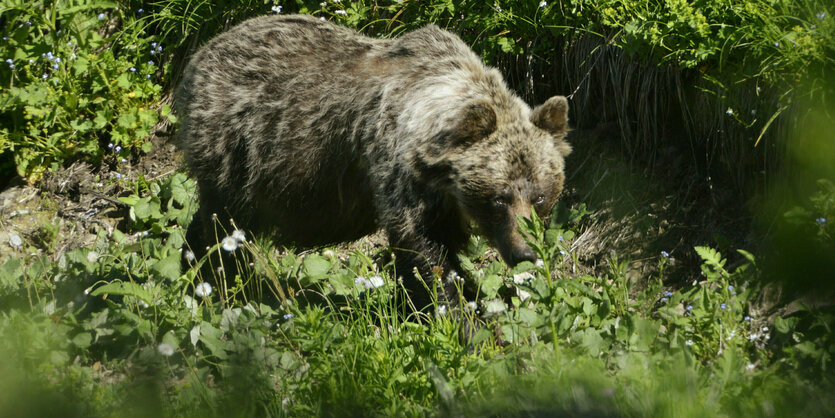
(312, 134)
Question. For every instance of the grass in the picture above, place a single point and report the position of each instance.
(117, 329)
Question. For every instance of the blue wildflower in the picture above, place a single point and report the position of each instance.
(148, 76)
(821, 15)
(664, 299)
(27, 23)
(667, 293)
(45, 76)
(118, 149)
(665, 254)
(110, 145)
(153, 44)
(288, 316)
(5, 38)
(777, 44)
(133, 69)
(118, 175)
(689, 308)
(747, 318)
(723, 306)
(57, 59)
(49, 56)
(140, 11)
(563, 253)
(150, 62)
(101, 16)
(821, 221)
(731, 288)
(560, 238)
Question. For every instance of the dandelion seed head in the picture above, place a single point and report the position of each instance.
(229, 244)
(165, 349)
(375, 281)
(203, 290)
(189, 255)
(239, 235)
(92, 256)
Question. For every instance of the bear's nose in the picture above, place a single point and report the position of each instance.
(520, 254)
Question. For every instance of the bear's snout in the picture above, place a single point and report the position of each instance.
(520, 254)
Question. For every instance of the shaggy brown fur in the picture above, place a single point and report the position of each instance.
(311, 133)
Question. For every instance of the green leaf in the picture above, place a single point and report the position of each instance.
(168, 267)
(124, 289)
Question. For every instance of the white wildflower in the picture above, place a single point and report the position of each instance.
(165, 349)
(276, 9)
(189, 255)
(203, 290)
(688, 343)
(539, 263)
(229, 244)
(729, 112)
(341, 12)
(750, 366)
(442, 310)
(92, 256)
(542, 4)
(471, 306)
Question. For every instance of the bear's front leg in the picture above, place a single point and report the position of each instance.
(426, 241)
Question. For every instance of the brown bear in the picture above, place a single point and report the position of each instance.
(311, 134)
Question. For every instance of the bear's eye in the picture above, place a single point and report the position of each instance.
(539, 200)
(500, 201)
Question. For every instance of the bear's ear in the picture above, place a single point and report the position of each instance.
(552, 116)
(477, 121)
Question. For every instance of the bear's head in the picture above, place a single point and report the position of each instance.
(499, 166)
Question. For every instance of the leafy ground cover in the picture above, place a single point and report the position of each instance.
(97, 317)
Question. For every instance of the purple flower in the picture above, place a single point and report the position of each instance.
(665, 254)
(118, 149)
